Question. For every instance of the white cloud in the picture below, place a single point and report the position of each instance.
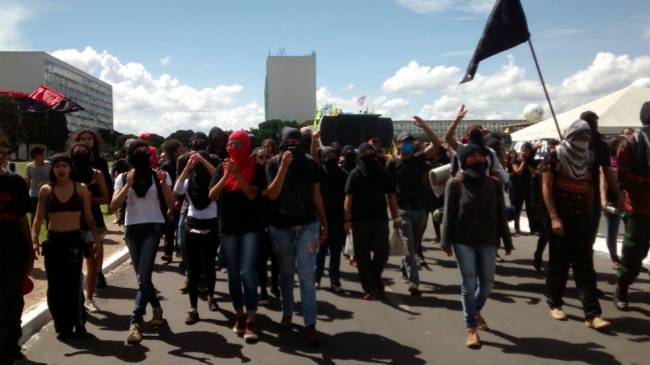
(395, 108)
(437, 6)
(416, 79)
(164, 62)
(162, 104)
(349, 87)
(646, 35)
(506, 92)
(465, 52)
(12, 15)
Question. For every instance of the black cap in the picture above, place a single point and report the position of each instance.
(405, 136)
(467, 150)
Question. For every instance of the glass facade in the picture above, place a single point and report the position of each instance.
(440, 126)
(94, 96)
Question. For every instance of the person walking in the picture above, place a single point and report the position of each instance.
(367, 190)
(37, 174)
(634, 173)
(237, 185)
(473, 199)
(148, 195)
(298, 223)
(174, 150)
(568, 188)
(64, 204)
(201, 229)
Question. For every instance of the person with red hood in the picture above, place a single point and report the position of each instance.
(152, 150)
(237, 184)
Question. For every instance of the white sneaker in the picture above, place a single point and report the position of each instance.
(91, 306)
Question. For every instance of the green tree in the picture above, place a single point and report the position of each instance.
(10, 120)
(271, 129)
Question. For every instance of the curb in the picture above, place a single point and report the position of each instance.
(39, 316)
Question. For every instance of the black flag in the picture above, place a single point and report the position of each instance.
(506, 27)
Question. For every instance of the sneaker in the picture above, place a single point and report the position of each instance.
(101, 281)
(212, 305)
(597, 323)
(405, 275)
(336, 287)
(368, 296)
(620, 297)
(134, 336)
(240, 325)
(473, 340)
(414, 290)
(91, 306)
(157, 319)
(184, 287)
(286, 324)
(557, 314)
(192, 317)
(481, 324)
(311, 335)
(79, 331)
(250, 334)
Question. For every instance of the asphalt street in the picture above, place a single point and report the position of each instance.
(397, 330)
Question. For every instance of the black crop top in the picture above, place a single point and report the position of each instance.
(73, 204)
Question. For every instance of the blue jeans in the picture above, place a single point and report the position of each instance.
(413, 222)
(239, 253)
(180, 240)
(613, 221)
(297, 248)
(143, 241)
(334, 244)
(477, 266)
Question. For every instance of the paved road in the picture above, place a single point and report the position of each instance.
(399, 330)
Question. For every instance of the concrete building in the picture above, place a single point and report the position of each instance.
(290, 92)
(440, 126)
(25, 71)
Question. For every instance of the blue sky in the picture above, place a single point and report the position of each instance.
(407, 55)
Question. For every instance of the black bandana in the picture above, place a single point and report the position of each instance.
(199, 184)
(81, 168)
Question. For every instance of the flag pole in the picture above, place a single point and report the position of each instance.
(548, 98)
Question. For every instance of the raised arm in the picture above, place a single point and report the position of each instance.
(432, 149)
(274, 189)
(450, 135)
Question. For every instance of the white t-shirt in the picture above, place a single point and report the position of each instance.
(210, 212)
(145, 209)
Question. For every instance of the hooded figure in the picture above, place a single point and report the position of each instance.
(368, 161)
(242, 158)
(83, 171)
(350, 158)
(217, 142)
(199, 184)
(644, 133)
(199, 141)
(573, 152)
(141, 162)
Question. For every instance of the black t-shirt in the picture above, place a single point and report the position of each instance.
(409, 177)
(14, 204)
(369, 195)
(237, 213)
(332, 189)
(295, 204)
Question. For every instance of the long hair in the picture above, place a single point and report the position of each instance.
(97, 140)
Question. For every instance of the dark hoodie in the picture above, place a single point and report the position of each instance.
(333, 187)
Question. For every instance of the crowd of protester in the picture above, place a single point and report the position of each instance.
(225, 203)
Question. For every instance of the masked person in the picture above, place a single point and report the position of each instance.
(201, 229)
(298, 222)
(63, 204)
(97, 162)
(409, 172)
(148, 196)
(333, 192)
(475, 200)
(96, 184)
(568, 189)
(367, 189)
(348, 159)
(174, 150)
(634, 173)
(237, 184)
(16, 256)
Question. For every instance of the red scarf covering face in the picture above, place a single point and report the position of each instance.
(242, 158)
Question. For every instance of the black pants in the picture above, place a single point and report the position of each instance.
(574, 249)
(371, 251)
(64, 252)
(521, 195)
(266, 252)
(201, 254)
(11, 308)
(170, 234)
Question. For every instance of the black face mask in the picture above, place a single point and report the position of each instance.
(81, 167)
(140, 161)
(298, 152)
(476, 171)
(199, 145)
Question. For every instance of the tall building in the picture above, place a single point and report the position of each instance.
(25, 71)
(290, 92)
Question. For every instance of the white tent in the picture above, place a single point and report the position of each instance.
(616, 111)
